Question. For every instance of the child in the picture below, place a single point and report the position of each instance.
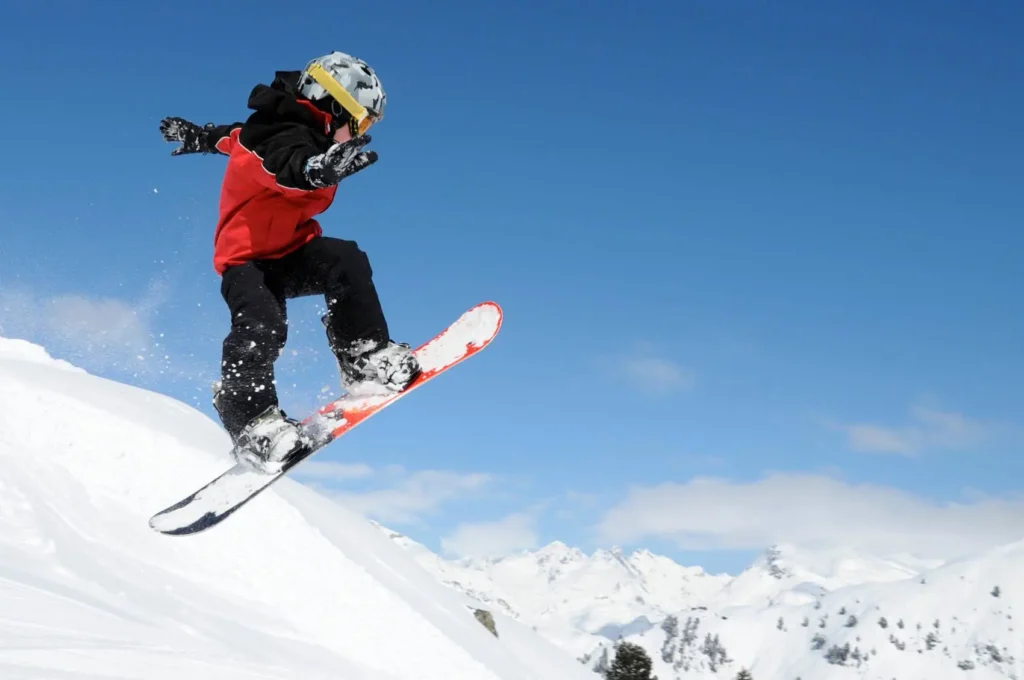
(284, 164)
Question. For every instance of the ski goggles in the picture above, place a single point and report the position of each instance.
(360, 119)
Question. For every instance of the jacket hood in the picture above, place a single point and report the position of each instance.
(282, 100)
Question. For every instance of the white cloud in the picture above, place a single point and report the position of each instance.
(491, 539)
(97, 323)
(810, 510)
(647, 371)
(105, 332)
(326, 470)
(409, 496)
(929, 430)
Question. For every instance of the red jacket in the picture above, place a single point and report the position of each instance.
(267, 205)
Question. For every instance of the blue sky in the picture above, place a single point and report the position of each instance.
(760, 265)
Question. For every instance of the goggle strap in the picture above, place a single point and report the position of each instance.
(320, 75)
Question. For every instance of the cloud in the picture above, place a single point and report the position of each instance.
(813, 511)
(331, 471)
(409, 496)
(929, 430)
(491, 539)
(647, 371)
(103, 332)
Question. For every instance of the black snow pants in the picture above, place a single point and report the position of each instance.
(256, 292)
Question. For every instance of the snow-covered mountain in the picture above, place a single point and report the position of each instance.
(293, 587)
(793, 613)
(954, 621)
(579, 601)
(574, 599)
(788, 574)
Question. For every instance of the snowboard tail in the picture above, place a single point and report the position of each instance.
(227, 493)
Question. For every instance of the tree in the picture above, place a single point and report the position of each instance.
(713, 649)
(670, 625)
(668, 648)
(744, 674)
(631, 663)
(837, 655)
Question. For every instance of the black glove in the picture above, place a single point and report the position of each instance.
(194, 139)
(340, 161)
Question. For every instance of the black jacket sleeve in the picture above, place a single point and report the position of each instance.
(284, 149)
(212, 134)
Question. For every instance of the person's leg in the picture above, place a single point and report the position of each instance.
(341, 272)
(258, 333)
(356, 328)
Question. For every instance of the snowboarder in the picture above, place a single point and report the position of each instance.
(307, 133)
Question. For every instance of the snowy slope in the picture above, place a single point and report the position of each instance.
(573, 599)
(294, 586)
(955, 621)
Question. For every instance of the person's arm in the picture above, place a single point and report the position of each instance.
(293, 159)
(195, 139)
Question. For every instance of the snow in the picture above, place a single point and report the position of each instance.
(25, 351)
(786, 572)
(476, 327)
(573, 599)
(292, 586)
(942, 623)
(767, 618)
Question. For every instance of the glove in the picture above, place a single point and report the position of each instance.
(194, 139)
(340, 161)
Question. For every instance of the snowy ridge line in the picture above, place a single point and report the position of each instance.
(814, 615)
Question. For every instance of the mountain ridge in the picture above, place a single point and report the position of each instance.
(814, 614)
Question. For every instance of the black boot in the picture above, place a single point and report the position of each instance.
(263, 442)
(372, 362)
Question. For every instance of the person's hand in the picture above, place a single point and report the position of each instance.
(339, 162)
(192, 137)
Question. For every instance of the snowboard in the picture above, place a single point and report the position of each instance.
(224, 495)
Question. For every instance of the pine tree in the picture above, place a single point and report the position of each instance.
(744, 674)
(668, 648)
(670, 625)
(631, 663)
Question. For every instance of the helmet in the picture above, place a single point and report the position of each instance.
(347, 81)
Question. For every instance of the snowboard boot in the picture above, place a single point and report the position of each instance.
(368, 367)
(266, 442)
